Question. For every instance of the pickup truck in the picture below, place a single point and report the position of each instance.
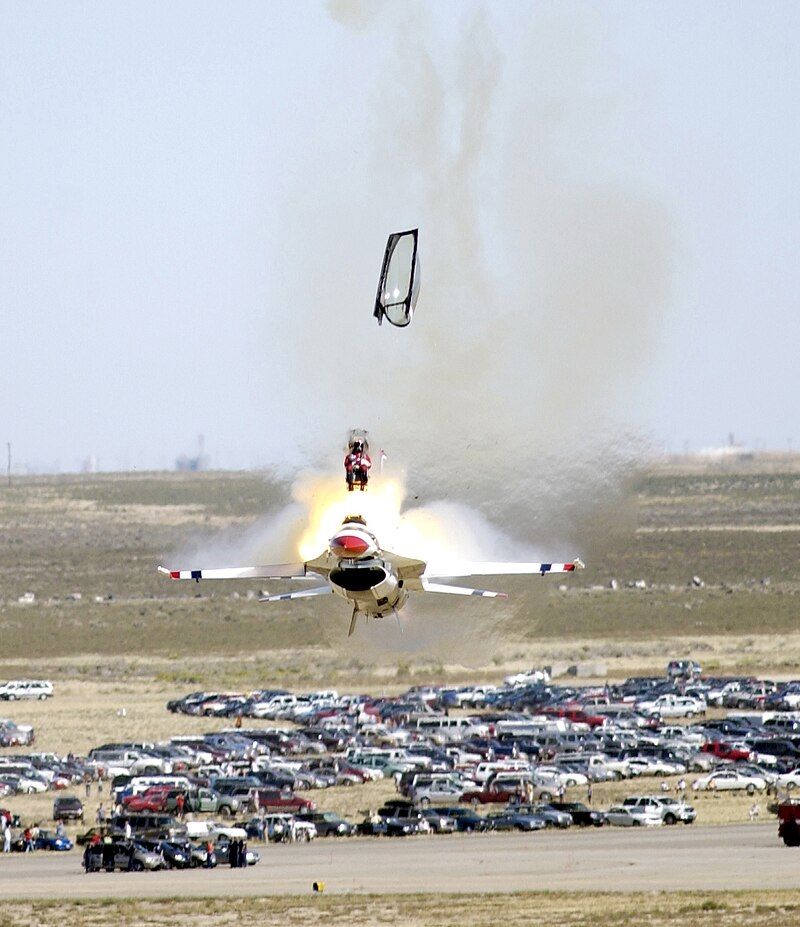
(725, 751)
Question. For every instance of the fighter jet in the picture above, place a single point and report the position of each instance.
(375, 582)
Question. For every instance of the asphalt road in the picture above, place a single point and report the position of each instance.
(708, 858)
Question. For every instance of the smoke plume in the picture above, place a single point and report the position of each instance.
(543, 278)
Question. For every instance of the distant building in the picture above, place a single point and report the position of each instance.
(196, 463)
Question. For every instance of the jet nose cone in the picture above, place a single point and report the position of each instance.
(349, 545)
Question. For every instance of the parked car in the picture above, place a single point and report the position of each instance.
(515, 819)
(730, 780)
(622, 816)
(327, 823)
(466, 820)
(67, 808)
(684, 669)
(121, 854)
(50, 840)
(25, 689)
(670, 809)
(671, 706)
(581, 815)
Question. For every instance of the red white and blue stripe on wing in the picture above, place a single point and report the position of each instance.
(277, 571)
(497, 568)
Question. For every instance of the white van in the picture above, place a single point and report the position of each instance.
(441, 728)
(26, 688)
(507, 766)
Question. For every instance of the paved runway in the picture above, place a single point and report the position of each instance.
(737, 856)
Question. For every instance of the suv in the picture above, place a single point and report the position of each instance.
(683, 669)
(671, 809)
(151, 825)
(67, 808)
(121, 854)
(328, 823)
(26, 688)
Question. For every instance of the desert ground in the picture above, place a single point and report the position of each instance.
(735, 525)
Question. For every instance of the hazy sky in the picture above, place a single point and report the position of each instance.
(170, 173)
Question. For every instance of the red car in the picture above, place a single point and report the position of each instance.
(283, 801)
(725, 751)
(493, 793)
(154, 799)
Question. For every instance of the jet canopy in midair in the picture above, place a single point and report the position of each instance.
(398, 287)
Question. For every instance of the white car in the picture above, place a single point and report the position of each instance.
(652, 766)
(789, 780)
(548, 775)
(26, 688)
(730, 780)
(437, 792)
(683, 735)
(671, 706)
(621, 816)
(527, 677)
(26, 782)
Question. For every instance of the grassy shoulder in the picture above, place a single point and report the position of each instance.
(655, 909)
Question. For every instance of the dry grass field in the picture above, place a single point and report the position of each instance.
(545, 909)
(735, 524)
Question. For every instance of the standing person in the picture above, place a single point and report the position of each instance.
(589, 792)
(101, 815)
(232, 851)
(128, 830)
(87, 781)
(60, 829)
(180, 802)
(243, 854)
(211, 858)
(27, 843)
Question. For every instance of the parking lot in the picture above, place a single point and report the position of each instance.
(509, 787)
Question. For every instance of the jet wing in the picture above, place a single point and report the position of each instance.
(446, 570)
(298, 594)
(276, 571)
(428, 586)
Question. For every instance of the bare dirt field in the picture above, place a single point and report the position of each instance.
(734, 524)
